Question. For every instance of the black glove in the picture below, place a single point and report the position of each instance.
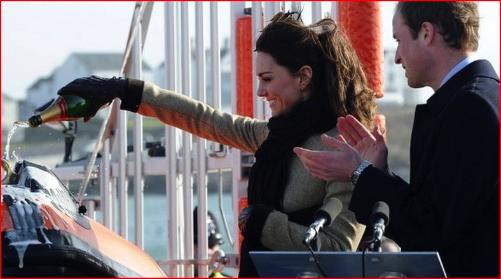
(251, 220)
(102, 91)
(243, 217)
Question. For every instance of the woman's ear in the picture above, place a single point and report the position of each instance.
(305, 74)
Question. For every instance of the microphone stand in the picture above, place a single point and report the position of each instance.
(375, 245)
(312, 252)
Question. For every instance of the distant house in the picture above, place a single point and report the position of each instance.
(10, 107)
(76, 65)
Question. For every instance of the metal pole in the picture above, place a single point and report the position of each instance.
(106, 195)
(114, 203)
(170, 136)
(135, 35)
(201, 153)
(215, 56)
(334, 13)
(122, 172)
(237, 10)
(187, 183)
(136, 72)
(316, 11)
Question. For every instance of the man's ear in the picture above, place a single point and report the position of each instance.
(305, 74)
(428, 32)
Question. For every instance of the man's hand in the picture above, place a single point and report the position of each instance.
(332, 165)
(354, 144)
(370, 145)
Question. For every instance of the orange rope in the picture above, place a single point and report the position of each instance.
(245, 92)
(245, 104)
(361, 22)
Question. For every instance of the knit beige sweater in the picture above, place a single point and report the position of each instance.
(302, 190)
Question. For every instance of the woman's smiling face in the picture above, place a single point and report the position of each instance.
(277, 85)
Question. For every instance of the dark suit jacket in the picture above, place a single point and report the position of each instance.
(452, 203)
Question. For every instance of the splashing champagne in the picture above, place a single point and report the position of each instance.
(64, 108)
(17, 124)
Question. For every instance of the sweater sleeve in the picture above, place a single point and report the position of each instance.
(281, 232)
(344, 234)
(202, 120)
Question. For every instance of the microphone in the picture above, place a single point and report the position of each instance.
(380, 217)
(323, 217)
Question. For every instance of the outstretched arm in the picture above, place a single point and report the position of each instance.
(171, 108)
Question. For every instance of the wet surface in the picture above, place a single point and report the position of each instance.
(27, 202)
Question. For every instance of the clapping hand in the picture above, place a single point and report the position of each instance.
(330, 165)
(354, 144)
(370, 145)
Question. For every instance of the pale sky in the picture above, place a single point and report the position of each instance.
(37, 37)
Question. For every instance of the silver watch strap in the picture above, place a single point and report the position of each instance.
(358, 171)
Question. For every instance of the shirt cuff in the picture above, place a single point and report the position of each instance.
(133, 95)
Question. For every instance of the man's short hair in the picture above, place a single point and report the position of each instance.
(457, 22)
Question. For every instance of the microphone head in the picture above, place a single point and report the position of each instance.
(380, 210)
(329, 210)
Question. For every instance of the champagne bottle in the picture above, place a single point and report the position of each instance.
(64, 108)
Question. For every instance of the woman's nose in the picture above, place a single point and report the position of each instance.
(261, 92)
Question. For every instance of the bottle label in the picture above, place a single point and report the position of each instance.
(63, 107)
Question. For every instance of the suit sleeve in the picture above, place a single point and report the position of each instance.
(463, 174)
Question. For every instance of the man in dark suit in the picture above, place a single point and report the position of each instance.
(451, 204)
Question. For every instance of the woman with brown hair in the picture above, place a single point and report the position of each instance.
(309, 75)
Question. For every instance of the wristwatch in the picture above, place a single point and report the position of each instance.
(358, 171)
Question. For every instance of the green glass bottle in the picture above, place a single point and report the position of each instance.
(64, 108)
